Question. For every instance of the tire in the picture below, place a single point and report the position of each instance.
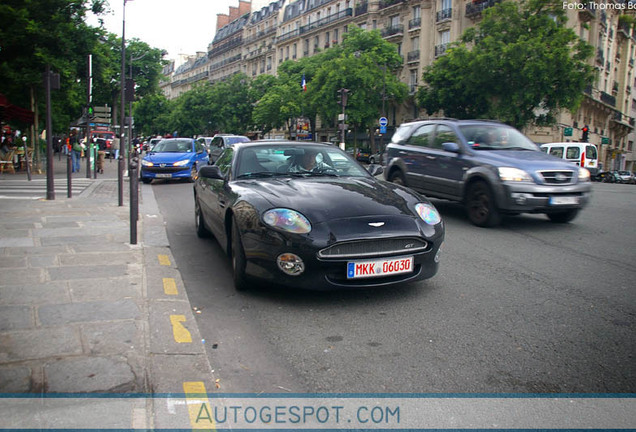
(238, 258)
(202, 231)
(146, 180)
(397, 177)
(564, 216)
(194, 174)
(481, 207)
(372, 160)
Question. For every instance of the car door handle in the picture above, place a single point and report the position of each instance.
(222, 203)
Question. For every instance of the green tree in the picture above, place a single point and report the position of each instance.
(520, 64)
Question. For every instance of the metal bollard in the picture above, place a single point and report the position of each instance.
(134, 198)
(120, 178)
(69, 177)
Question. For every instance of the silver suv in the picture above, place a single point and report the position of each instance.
(222, 141)
(491, 168)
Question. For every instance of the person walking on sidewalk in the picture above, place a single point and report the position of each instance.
(76, 151)
(115, 146)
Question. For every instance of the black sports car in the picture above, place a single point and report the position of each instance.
(307, 215)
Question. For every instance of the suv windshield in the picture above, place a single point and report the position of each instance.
(496, 137)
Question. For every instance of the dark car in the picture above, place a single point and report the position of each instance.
(222, 141)
(491, 168)
(306, 215)
(173, 158)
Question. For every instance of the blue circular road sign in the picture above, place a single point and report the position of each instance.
(383, 121)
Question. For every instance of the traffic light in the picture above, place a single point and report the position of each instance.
(586, 132)
(90, 112)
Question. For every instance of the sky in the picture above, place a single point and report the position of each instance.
(178, 26)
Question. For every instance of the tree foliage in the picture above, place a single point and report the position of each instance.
(520, 64)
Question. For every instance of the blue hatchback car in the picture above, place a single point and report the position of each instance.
(174, 158)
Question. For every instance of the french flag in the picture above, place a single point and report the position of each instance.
(304, 83)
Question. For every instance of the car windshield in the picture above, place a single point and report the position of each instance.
(236, 139)
(295, 160)
(173, 146)
(496, 137)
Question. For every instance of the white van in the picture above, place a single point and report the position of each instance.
(582, 154)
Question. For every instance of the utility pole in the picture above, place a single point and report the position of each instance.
(344, 95)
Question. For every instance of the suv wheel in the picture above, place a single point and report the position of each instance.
(480, 203)
(564, 216)
(397, 177)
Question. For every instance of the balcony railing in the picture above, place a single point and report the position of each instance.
(415, 23)
(608, 99)
(236, 42)
(392, 31)
(444, 15)
(413, 56)
(326, 20)
(475, 9)
(440, 49)
(362, 8)
(288, 35)
(387, 3)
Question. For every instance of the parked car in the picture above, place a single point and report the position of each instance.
(626, 177)
(608, 177)
(333, 226)
(173, 158)
(365, 155)
(206, 141)
(222, 141)
(491, 168)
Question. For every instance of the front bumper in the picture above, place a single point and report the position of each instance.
(533, 198)
(157, 172)
(322, 273)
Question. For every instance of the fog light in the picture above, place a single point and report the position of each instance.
(290, 264)
(520, 199)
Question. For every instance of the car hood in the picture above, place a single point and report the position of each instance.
(524, 159)
(327, 199)
(158, 158)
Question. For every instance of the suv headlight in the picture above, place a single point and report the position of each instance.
(514, 175)
(584, 175)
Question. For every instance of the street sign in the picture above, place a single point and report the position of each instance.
(382, 129)
(383, 121)
(567, 131)
(604, 140)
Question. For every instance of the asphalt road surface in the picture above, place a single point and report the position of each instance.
(527, 307)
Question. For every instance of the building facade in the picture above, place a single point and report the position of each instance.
(257, 41)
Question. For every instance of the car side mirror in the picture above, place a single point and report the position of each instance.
(451, 147)
(375, 170)
(211, 172)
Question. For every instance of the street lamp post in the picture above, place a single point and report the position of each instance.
(122, 109)
(344, 94)
(130, 100)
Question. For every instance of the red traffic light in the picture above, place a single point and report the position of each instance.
(585, 129)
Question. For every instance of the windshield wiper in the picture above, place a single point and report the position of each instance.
(260, 174)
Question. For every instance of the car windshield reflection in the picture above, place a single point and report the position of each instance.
(278, 160)
(496, 137)
(173, 146)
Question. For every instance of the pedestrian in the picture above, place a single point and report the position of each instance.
(76, 151)
(101, 154)
(115, 146)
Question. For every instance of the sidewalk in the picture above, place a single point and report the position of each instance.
(83, 310)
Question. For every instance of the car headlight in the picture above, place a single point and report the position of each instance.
(287, 220)
(428, 213)
(514, 174)
(146, 163)
(584, 175)
(181, 163)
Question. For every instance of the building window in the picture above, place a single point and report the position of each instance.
(394, 21)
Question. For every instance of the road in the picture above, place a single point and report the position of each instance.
(527, 307)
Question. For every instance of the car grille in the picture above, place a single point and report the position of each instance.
(166, 169)
(557, 177)
(375, 247)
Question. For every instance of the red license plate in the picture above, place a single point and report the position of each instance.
(378, 268)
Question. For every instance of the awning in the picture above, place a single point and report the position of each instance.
(10, 112)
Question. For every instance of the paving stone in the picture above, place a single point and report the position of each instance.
(22, 277)
(13, 262)
(36, 250)
(101, 257)
(50, 315)
(16, 318)
(17, 242)
(39, 344)
(46, 293)
(43, 261)
(89, 290)
(113, 338)
(89, 375)
(162, 328)
(87, 272)
(15, 379)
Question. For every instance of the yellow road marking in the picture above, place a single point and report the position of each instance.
(180, 333)
(164, 260)
(170, 286)
(199, 408)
